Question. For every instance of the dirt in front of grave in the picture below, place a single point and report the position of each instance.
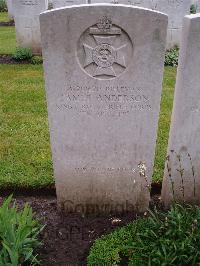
(68, 238)
(8, 59)
(7, 23)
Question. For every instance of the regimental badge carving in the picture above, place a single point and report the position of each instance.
(105, 50)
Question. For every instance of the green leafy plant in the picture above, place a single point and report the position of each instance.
(36, 60)
(22, 54)
(3, 6)
(18, 235)
(171, 57)
(193, 9)
(171, 239)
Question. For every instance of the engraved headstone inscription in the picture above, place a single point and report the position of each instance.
(181, 179)
(103, 113)
(62, 3)
(27, 25)
(175, 9)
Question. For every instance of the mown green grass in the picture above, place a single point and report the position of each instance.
(7, 40)
(25, 158)
(4, 17)
(164, 121)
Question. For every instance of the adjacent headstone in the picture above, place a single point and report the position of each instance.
(62, 3)
(175, 9)
(9, 4)
(26, 15)
(140, 3)
(196, 4)
(103, 87)
(182, 178)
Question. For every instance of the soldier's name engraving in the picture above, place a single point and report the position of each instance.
(103, 101)
(106, 98)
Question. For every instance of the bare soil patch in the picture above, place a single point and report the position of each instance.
(7, 23)
(7, 59)
(68, 238)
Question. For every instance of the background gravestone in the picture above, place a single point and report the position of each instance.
(175, 9)
(50, 3)
(103, 88)
(10, 9)
(181, 178)
(140, 3)
(27, 25)
(196, 3)
(62, 3)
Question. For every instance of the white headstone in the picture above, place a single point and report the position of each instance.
(103, 87)
(10, 9)
(27, 25)
(182, 179)
(62, 3)
(140, 3)
(175, 9)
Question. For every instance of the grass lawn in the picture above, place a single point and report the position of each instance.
(164, 121)
(25, 158)
(7, 40)
(4, 17)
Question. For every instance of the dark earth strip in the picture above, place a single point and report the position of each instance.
(7, 23)
(51, 191)
(68, 238)
(7, 59)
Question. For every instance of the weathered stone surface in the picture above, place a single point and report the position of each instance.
(62, 3)
(27, 25)
(103, 87)
(10, 9)
(175, 9)
(184, 143)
